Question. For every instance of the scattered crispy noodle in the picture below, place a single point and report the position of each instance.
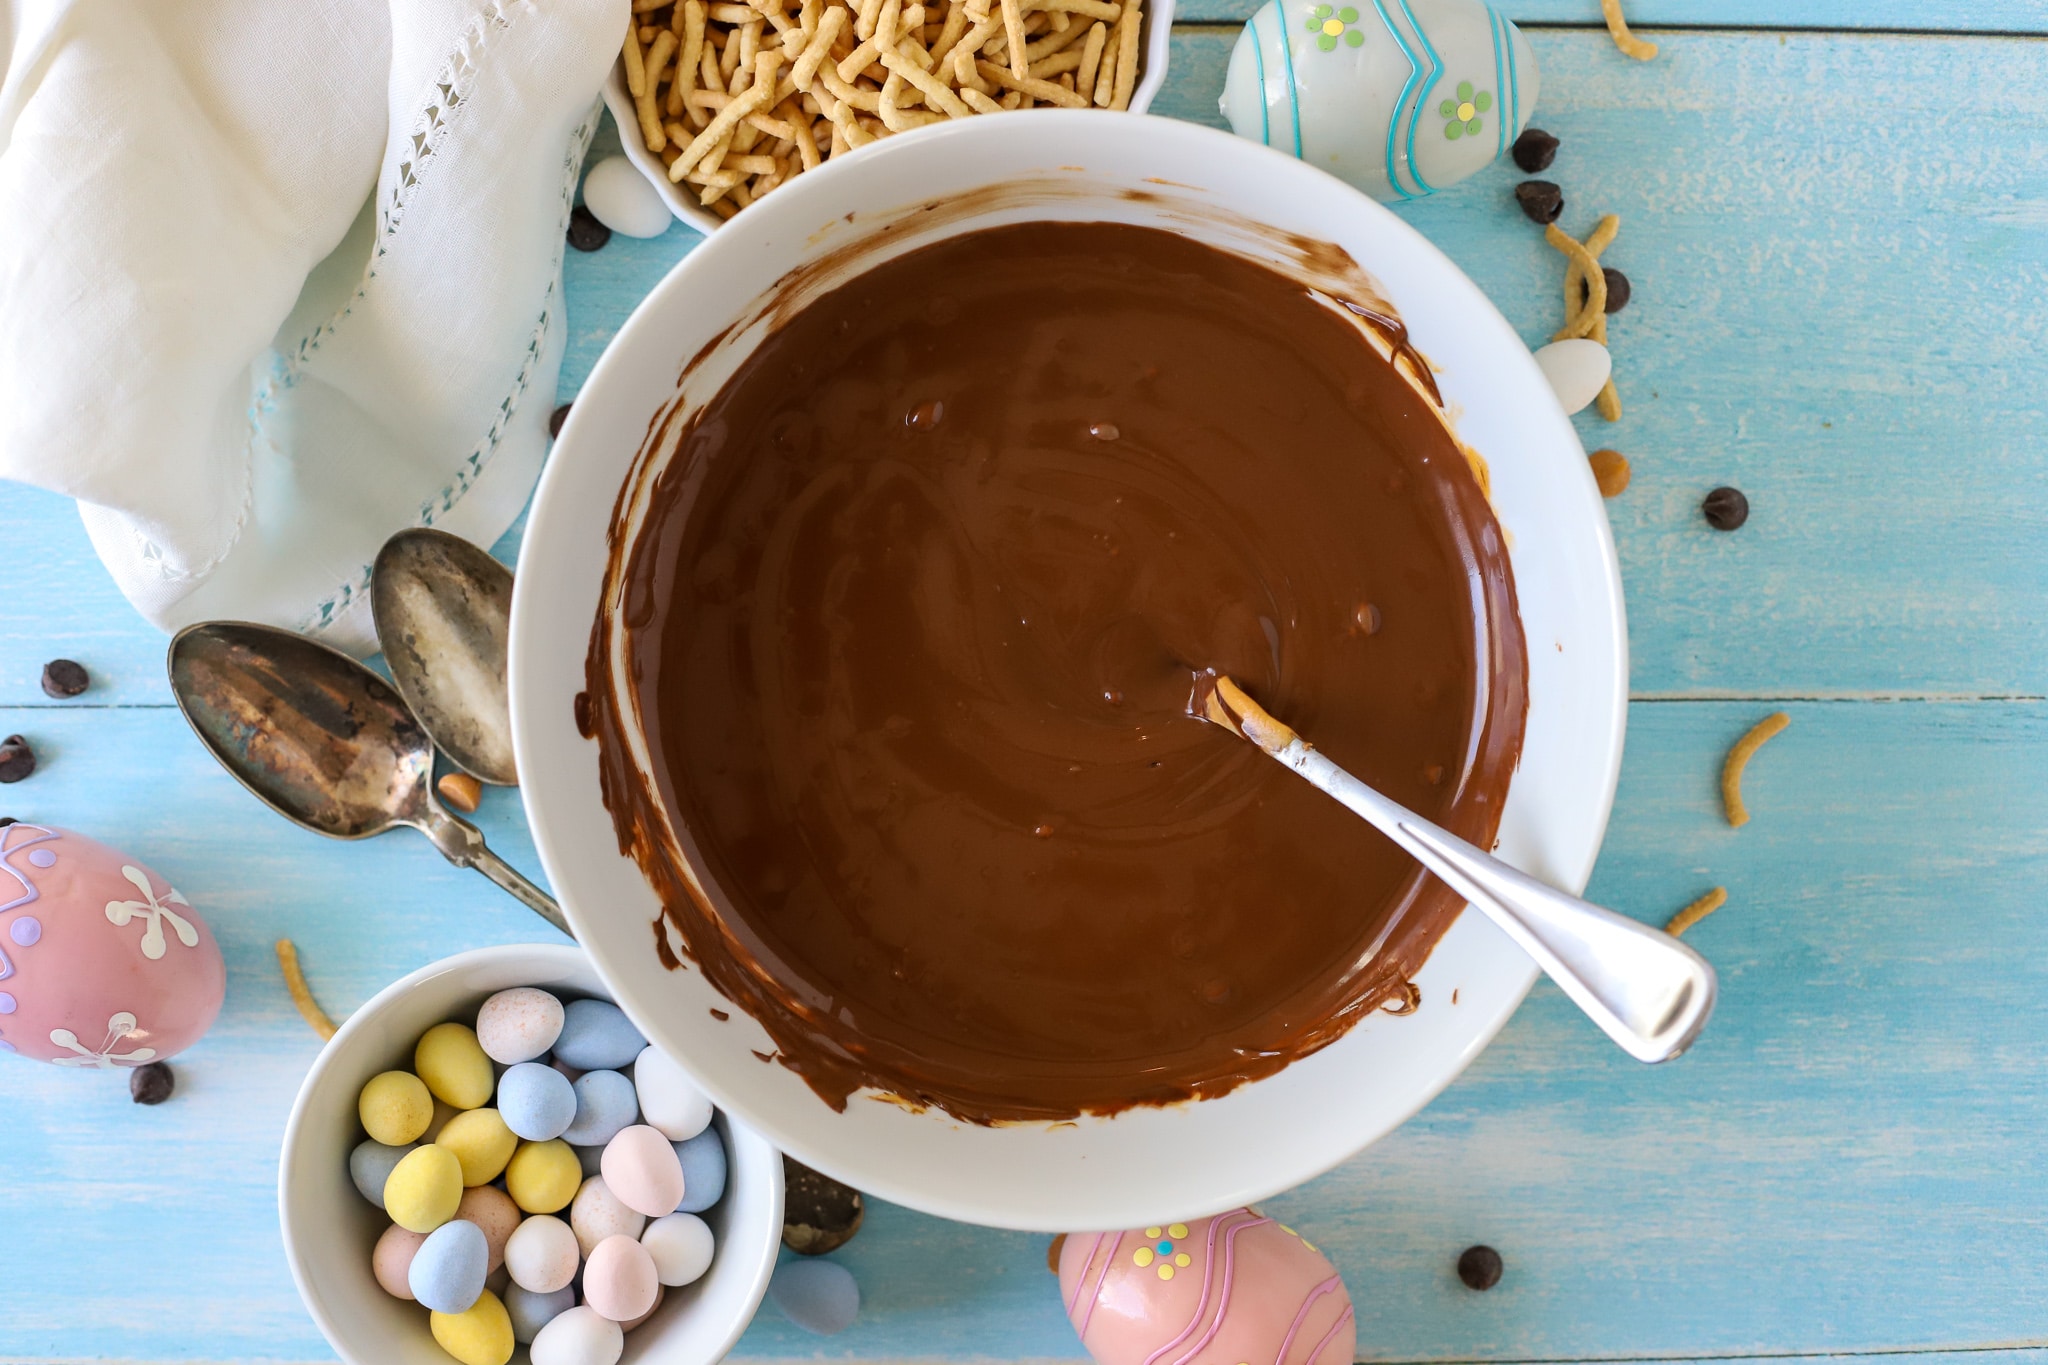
(1738, 759)
(302, 994)
(1697, 911)
(1617, 27)
(737, 99)
(1585, 295)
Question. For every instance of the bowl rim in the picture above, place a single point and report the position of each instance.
(560, 955)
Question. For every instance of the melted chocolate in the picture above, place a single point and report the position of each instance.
(911, 626)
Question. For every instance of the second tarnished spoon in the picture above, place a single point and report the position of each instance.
(443, 610)
(324, 742)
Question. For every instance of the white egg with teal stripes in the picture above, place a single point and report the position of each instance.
(1400, 98)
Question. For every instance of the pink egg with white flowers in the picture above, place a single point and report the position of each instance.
(102, 963)
(1214, 1291)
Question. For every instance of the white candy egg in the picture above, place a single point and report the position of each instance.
(669, 1100)
(542, 1254)
(623, 200)
(682, 1247)
(580, 1336)
(1577, 370)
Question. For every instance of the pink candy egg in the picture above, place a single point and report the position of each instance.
(1215, 1291)
(643, 1171)
(391, 1260)
(494, 1213)
(102, 963)
(619, 1280)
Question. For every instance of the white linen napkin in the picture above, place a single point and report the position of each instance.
(281, 277)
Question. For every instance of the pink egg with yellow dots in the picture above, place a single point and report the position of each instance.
(1235, 1288)
(102, 963)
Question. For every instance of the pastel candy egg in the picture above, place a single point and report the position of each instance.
(395, 1108)
(1577, 368)
(1131, 1294)
(424, 1189)
(598, 1213)
(449, 1269)
(597, 1036)
(619, 1279)
(581, 1336)
(518, 1025)
(703, 1161)
(102, 964)
(643, 1171)
(452, 1063)
(530, 1311)
(391, 1260)
(543, 1254)
(669, 1099)
(818, 1296)
(537, 1101)
(681, 1245)
(543, 1177)
(605, 1103)
(494, 1213)
(369, 1166)
(480, 1336)
(481, 1142)
(623, 201)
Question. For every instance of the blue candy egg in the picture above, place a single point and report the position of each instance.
(536, 1101)
(449, 1269)
(818, 1296)
(703, 1158)
(369, 1165)
(605, 1103)
(530, 1311)
(597, 1036)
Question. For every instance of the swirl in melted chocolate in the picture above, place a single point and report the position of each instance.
(911, 626)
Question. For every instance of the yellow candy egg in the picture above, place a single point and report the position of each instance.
(543, 1176)
(481, 1142)
(452, 1063)
(395, 1108)
(423, 1189)
(481, 1336)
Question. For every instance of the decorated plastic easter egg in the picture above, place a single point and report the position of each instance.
(391, 1260)
(642, 1170)
(543, 1254)
(481, 1336)
(669, 1098)
(597, 1036)
(818, 1296)
(542, 1177)
(681, 1245)
(619, 1279)
(448, 1271)
(703, 1161)
(605, 1103)
(598, 1213)
(518, 1025)
(1399, 97)
(102, 963)
(1241, 1285)
(370, 1165)
(581, 1336)
(530, 1311)
(494, 1213)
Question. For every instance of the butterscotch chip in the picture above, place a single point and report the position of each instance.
(1610, 471)
(460, 790)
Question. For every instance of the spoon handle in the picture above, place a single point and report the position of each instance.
(462, 843)
(1646, 990)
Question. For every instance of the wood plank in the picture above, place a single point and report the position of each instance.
(1843, 1164)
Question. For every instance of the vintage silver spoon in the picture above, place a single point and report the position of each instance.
(324, 742)
(1646, 990)
(443, 610)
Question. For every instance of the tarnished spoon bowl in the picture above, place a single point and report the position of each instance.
(444, 611)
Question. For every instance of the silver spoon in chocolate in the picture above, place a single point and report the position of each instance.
(324, 742)
(443, 610)
(1646, 990)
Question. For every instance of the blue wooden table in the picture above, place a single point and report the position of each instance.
(1837, 231)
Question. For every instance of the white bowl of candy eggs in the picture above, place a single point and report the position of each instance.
(631, 1222)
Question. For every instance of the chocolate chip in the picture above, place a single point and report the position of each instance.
(1479, 1267)
(585, 232)
(556, 418)
(63, 678)
(1540, 199)
(17, 760)
(1534, 150)
(1726, 509)
(1617, 289)
(6, 820)
(151, 1083)
(818, 1213)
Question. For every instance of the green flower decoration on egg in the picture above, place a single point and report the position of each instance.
(1463, 112)
(1331, 24)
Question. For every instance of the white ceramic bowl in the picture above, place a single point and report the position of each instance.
(1155, 37)
(329, 1228)
(1148, 1164)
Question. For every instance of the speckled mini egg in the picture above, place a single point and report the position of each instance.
(605, 1103)
(704, 1168)
(619, 1279)
(543, 1254)
(449, 1269)
(493, 1211)
(391, 1260)
(537, 1101)
(102, 963)
(518, 1025)
(581, 1336)
(597, 1036)
(642, 1169)
(1213, 1291)
(598, 1213)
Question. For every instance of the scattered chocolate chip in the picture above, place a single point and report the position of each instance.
(1617, 289)
(1610, 471)
(1534, 150)
(6, 820)
(17, 760)
(1726, 509)
(1540, 199)
(64, 678)
(585, 232)
(151, 1083)
(556, 418)
(818, 1213)
(1479, 1267)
